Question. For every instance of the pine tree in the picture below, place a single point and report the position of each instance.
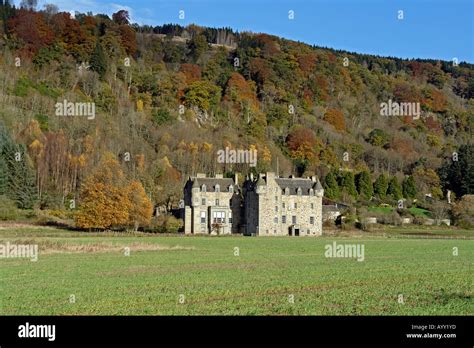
(381, 186)
(331, 189)
(347, 183)
(364, 185)
(409, 187)
(17, 178)
(97, 61)
(394, 188)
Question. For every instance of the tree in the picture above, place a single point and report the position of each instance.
(347, 183)
(141, 209)
(97, 61)
(17, 178)
(409, 187)
(336, 118)
(457, 174)
(202, 94)
(331, 189)
(381, 186)
(104, 200)
(121, 17)
(364, 185)
(378, 137)
(394, 188)
(197, 46)
(463, 211)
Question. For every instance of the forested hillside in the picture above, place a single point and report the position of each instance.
(167, 98)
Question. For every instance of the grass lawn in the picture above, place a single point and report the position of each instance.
(413, 210)
(263, 279)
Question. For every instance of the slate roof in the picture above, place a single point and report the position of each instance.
(211, 183)
(294, 183)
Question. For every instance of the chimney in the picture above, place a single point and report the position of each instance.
(251, 176)
(236, 179)
(270, 175)
(313, 178)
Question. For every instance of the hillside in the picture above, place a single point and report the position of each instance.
(166, 99)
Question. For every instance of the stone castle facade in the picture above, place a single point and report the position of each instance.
(263, 206)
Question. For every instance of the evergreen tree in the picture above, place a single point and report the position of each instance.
(364, 185)
(409, 187)
(97, 61)
(17, 178)
(347, 183)
(380, 186)
(394, 188)
(331, 189)
(458, 173)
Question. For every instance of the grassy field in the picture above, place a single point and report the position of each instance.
(206, 275)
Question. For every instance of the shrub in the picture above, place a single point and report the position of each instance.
(8, 209)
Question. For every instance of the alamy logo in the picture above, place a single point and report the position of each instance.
(37, 331)
(237, 156)
(75, 109)
(345, 251)
(400, 109)
(19, 251)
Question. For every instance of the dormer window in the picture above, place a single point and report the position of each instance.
(298, 191)
(231, 189)
(217, 188)
(203, 188)
(287, 191)
(311, 192)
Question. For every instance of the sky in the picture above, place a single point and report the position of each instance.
(436, 29)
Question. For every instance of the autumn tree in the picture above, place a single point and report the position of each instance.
(141, 209)
(336, 119)
(104, 200)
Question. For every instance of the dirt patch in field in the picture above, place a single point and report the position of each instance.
(53, 247)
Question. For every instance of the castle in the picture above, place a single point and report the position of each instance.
(263, 206)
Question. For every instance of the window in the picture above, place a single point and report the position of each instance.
(218, 217)
(296, 205)
(311, 220)
(283, 219)
(275, 220)
(230, 203)
(293, 219)
(283, 205)
(312, 205)
(217, 188)
(203, 188)
(203, 217)
(276, 198)
(203, 201)
(230, 217)
(276, 209)
(217, 202)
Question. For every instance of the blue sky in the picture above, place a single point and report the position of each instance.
(438, 29)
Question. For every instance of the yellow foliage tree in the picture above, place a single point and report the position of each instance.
(103, 201)
(141, 209)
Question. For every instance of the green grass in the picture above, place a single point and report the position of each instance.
(215, 281)
(413, 210)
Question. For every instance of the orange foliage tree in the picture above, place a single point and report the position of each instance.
(336, 118)
(107, 200)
